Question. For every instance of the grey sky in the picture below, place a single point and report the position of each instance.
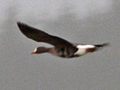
(80, 21)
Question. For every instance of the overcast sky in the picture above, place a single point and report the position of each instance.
(78, 21)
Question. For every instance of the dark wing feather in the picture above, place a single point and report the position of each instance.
(41, 36)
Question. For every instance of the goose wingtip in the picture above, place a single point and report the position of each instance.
(19, 23)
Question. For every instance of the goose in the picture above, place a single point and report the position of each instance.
(61, 47)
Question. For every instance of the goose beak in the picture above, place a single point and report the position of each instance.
(33, 52)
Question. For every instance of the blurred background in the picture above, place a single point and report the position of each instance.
(78, 21)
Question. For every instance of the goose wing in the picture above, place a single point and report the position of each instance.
(41, 36)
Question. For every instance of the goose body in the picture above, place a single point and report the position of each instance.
(61, 47)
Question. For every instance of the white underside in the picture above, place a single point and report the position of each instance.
(82, 49)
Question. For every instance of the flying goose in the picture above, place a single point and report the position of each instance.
(61, 47)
